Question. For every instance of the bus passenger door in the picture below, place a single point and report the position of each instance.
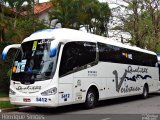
(76, 56)
(66, 75)
(65, 89)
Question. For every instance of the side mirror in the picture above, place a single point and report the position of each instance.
(53, 48)
(7, 48)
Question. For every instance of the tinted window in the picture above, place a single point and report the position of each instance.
(76, 55)
(144, 59)
(110, 53)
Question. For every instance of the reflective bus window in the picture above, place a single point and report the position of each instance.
(76, 55)
(115, 54)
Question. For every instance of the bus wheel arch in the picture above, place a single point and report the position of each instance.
(145, 91)
(92, 97)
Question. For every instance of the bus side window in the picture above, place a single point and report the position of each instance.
(115, 54)
(110, 53)
(76, 55)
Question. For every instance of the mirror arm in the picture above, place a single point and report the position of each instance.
(7, 48)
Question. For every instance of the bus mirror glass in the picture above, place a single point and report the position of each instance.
(53, 52)
(53, 49)
(7, 48)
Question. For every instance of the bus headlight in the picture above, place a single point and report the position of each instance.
(51, 91)
(11, 92)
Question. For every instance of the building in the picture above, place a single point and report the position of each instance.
(41, 11)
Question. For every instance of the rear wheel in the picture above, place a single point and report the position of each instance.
(145, 92)
(91, 99)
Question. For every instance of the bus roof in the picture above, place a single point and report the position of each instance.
(66, 35)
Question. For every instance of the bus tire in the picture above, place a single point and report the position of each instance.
(145, 92)
(91, 99)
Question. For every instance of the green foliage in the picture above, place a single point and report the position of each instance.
(13, 29)
(158, 49)
(143, 23)
(24, 28)
(91, 14)
(5, 104)
(5, 67)
(27, 26)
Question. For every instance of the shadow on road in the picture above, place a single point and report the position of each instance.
(79, 107)
(124, 100)
(53, 111)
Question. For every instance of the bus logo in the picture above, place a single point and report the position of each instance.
(136, 74)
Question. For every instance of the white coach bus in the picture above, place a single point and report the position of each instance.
(57, 67)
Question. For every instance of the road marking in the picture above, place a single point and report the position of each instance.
(106, 119)
(0, 110)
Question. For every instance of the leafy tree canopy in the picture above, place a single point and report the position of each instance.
(91, 14)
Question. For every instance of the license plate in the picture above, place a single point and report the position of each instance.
(26, 100)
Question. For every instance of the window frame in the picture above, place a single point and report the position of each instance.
(138, 58)
(76, 69)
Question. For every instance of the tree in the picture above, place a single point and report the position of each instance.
(18, 7)
(91, 14)
(2, 21)
(142, 21)
(14, 28)
(103, 18)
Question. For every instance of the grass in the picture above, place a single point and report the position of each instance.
(5, 104)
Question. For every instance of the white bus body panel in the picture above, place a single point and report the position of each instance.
(29, 92)
(101, 76)
(65, 90)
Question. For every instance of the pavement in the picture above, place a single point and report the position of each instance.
(19, 108)
(4, 98)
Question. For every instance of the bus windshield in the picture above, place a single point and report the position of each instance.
(33, 62)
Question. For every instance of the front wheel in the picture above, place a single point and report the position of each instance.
(91, 99)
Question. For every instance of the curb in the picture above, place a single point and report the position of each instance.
(16, 109)
(8, 109)
(4, 98)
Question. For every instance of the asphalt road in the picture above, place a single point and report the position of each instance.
(128, 108)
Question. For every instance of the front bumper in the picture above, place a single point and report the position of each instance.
(33, 101)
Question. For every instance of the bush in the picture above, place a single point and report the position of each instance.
(5, 69)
